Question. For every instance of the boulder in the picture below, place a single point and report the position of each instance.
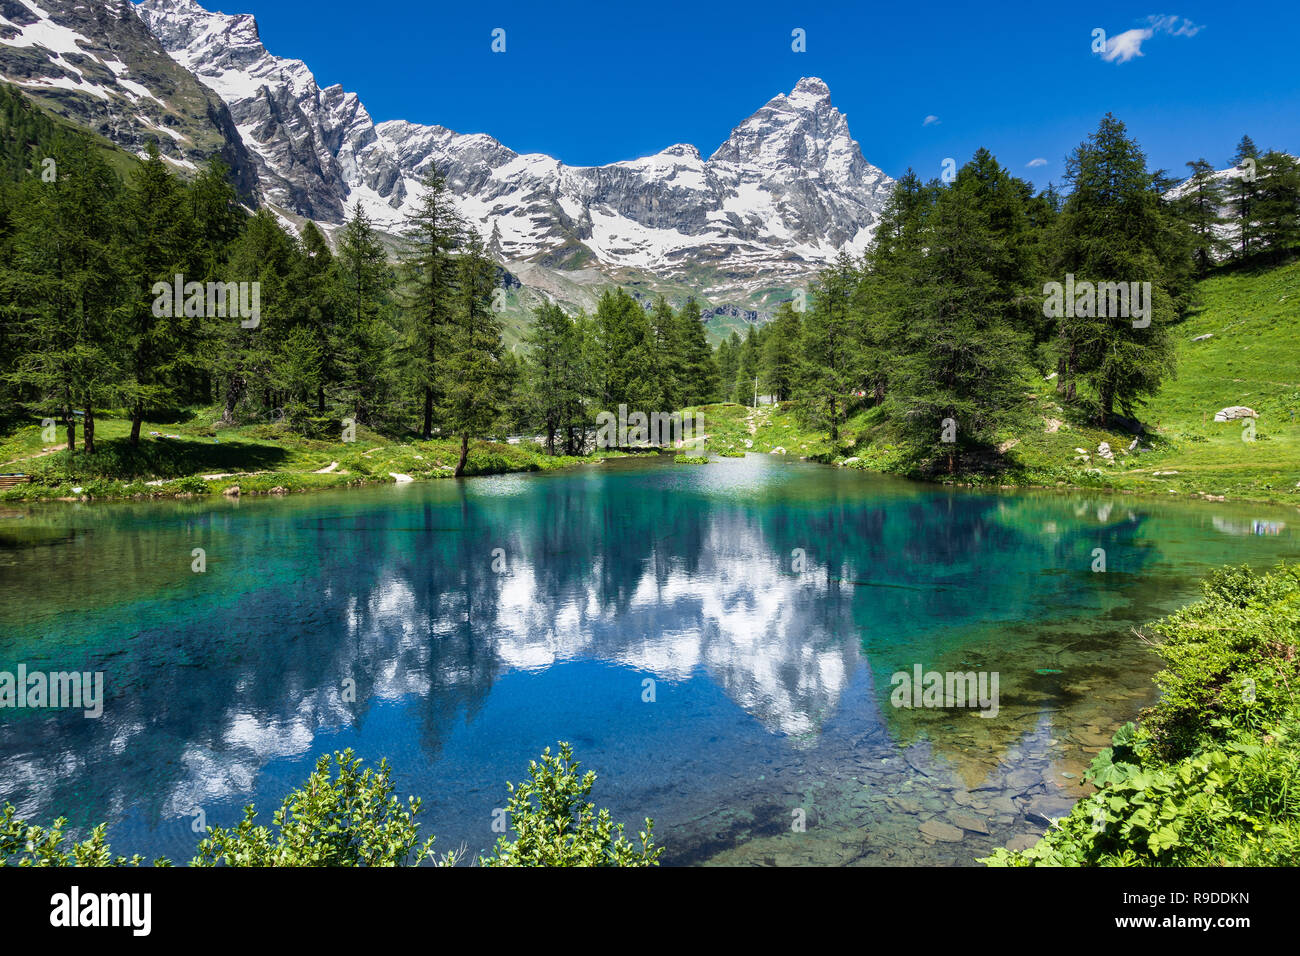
(231, 492)
(1233, 412)
(1202, 338)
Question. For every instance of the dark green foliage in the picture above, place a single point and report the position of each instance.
(1115, 228)
(476, 378)
(953, 378)
(1199, 207)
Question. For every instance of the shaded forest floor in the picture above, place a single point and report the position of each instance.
(190, 455)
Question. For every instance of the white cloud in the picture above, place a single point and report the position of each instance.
(931, 120)
(1124, 46)
(1172, 25)
(1036, 162)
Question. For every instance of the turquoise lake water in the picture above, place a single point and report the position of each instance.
(457, 628)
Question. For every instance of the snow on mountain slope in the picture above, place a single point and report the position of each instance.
(95, 63)
(785, 193)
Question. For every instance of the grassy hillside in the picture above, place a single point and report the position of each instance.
(1251, 359)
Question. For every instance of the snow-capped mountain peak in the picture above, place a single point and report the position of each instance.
(783, 195)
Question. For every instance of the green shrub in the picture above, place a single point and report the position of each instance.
(555, 826)
(23, 844)
(345, 815)
(691, 460)
(1231, 660)
(342, 816)
(191, 484)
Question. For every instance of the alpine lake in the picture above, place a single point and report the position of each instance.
(719, 642)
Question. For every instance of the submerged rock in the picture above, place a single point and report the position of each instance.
(943, 832)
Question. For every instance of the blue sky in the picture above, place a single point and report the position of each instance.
(596, 83)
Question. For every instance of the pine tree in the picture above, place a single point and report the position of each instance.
(958, 354)
(727, 360)
(1199, 206)
(883, 289)
(699, 374)
(1116, 229)
(216, 221)
(242, 355)
(554, 376)
(668, 355)
(67, 285)
(475, 378)
(364, 282)
(1277, 207)
(158, 242)
(1245, 193)
(626, 363)
(303, 357)
(747, 367)
(435, 234)
(779, 363)
(830, 370)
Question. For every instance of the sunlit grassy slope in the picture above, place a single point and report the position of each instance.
(1251, 359)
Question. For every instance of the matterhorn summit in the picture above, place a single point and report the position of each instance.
(786, 192)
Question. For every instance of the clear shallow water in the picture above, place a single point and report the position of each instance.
(772, 687)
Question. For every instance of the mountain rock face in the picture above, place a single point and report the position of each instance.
(783, 195)
(95, 63)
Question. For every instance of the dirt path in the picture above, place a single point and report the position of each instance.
(40, 454)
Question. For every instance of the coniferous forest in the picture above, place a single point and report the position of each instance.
(937, 322)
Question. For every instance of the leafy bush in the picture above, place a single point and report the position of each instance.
(23, 844)
(1210, 778)
(691, 460)
(554, 826)
(345, 815)
(191, 484)
(342, 816)
(1231, 659)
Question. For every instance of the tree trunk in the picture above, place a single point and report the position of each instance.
(464, 454)
(1107, 405)
(137, 417)
(427, 431)
(88, 432)
(71, 423)
(320, 399)
(234, 392)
